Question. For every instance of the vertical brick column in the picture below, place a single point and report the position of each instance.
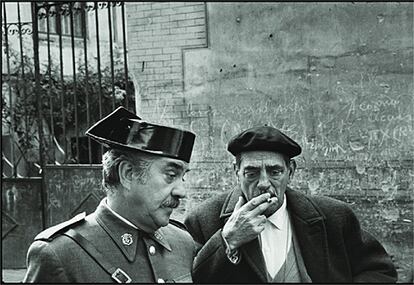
(157, 34)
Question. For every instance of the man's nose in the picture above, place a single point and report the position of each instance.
(264, 182)
(179, 190)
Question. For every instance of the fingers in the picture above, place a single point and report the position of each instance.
(239, 203)
(242, 227)
(263, 206)
(260, 222)
(255, 202)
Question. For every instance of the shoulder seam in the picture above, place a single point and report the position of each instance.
(50, 233)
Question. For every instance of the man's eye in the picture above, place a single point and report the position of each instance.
(251, 174)
(171, 176)
(276, 172)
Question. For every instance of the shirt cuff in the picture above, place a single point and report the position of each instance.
(232, 255)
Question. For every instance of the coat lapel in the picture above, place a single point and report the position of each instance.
(254, 257)
(251, 251)
(309, 225)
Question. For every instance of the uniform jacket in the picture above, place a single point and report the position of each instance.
(333, 246)
(166, 255)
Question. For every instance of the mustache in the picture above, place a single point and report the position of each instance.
(171, 203)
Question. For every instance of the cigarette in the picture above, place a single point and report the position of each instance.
(269, 200)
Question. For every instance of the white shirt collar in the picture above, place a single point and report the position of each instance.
(276, 239)
(278, 219)
(105, 203)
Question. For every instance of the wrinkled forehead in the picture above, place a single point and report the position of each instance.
(171, 162)
(261, 158)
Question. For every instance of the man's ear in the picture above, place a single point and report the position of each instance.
(236, 170)
(292, 168)
(235, 167)
(125, 172)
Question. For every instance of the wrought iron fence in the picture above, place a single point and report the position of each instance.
(64, 67)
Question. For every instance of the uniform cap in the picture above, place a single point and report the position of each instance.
(124, 130)
(263, 138)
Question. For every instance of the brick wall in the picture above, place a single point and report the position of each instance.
(157, 35)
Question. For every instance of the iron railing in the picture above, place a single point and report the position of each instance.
(64, 67)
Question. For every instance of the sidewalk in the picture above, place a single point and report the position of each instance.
(13, 275)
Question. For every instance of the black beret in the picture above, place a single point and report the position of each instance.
(263, 138)
(124, 130)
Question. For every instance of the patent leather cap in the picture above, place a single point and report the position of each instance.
(123, 129)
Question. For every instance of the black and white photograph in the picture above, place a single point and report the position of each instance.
(207, 142)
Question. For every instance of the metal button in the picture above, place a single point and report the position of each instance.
(152, 250)
(160, 280)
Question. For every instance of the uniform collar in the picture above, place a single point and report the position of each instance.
(158, 235)
(105, 202)
(124, 233)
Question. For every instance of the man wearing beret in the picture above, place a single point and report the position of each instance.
(129, 237)
(263, 231)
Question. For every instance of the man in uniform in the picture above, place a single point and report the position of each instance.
(129, 237)
(263, 231)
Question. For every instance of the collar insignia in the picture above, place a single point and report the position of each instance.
(127, 239)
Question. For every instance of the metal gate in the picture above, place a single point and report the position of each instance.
(64, 67)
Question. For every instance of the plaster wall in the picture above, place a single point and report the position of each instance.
(336, 77)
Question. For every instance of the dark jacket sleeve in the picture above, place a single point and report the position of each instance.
(211, 264)
(43, 265)
(369, 260)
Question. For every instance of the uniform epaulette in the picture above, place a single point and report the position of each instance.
(178, 224)
(51, 232)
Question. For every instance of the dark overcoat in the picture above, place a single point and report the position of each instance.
(334, 247)
(167, 255)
